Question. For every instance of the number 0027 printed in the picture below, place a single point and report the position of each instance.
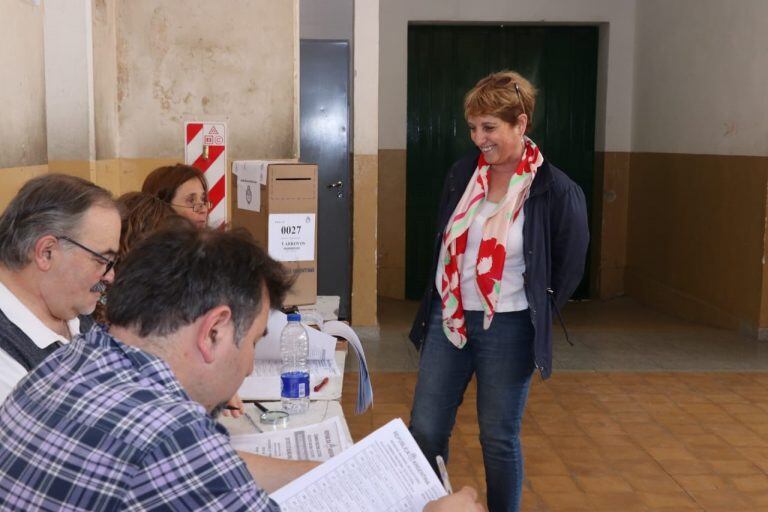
(291, 236)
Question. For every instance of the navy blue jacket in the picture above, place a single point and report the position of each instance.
(555, 240)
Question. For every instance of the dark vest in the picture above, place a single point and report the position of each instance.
(20, 347)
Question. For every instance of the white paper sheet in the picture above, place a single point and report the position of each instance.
(248, 173)
(266, 387)
(321, 346)
(291, 236)
(364, 387)
(386, 471)
(320, 441)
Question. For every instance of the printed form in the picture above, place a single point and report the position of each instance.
(319, 441)
(384, 472)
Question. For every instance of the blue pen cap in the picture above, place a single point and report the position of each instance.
(294, 317)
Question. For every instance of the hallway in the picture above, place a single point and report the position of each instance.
(646, 412)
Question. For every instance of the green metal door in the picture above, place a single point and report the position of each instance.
(444, 62)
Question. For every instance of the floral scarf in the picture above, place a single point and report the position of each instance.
(492, 252)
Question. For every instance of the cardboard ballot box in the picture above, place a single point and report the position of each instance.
(277, 203)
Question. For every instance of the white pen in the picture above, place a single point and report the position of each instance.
(252, 422)
(444, 474)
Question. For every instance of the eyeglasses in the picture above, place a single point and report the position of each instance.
(519, 98)
(108, 263)
(502, 81)
(197, 207)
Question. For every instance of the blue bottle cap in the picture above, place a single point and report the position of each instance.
(294, 317)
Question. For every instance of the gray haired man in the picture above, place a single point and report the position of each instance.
(58, 240)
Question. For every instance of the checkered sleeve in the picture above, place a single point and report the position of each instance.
(195, 469)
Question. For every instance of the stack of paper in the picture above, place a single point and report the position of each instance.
(264, 383)
(386, 471)
(320, 441)
(364, 388)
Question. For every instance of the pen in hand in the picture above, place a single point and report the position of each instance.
(247, 417)
(257, 405)
(444, 474)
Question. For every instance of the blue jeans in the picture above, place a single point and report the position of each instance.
(502, 357)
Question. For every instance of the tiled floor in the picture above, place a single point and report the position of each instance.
(646, 412)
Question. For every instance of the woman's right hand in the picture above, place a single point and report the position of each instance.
(463, 501)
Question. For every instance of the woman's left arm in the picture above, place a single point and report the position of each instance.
(569, 237)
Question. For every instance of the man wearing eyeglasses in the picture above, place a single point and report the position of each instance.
(58, 241)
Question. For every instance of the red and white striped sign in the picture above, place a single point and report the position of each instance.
(206, 149)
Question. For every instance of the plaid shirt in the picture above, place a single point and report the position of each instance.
(100, 425)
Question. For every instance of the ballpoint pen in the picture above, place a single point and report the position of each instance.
(271, 417)
(257, 405)
(252, 422)
(444, 474)
(247, 417)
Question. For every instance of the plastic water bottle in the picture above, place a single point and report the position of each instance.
(294, 376)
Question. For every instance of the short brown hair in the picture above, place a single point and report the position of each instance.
(141, 214)
(164, 181)
(505, 94)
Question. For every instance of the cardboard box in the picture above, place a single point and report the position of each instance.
(278, 205)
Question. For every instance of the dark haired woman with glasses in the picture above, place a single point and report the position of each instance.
(510, 248)
(184, 188)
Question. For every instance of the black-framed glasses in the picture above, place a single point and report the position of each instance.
(519, 98)
(205, 206)
(108, 263)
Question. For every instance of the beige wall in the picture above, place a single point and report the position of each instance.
(68, 49)
(696, 236)
(22, 87)
(238, 66)
(609, 224)
(697, 212)
(150, 73)
(105, 79)
(365, 164)
(391, 223)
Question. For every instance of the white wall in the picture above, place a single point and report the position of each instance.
(69, 80)
(702, 77)
(327, 19)
(22, 86)
(367, 75)
(613, 127)
(105, 79)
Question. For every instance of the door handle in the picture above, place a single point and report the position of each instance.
(338, 185)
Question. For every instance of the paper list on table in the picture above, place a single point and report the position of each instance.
(386, 471)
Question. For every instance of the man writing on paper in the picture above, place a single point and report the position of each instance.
(58, 241)
(124, 419)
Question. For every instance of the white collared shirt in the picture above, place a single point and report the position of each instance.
(11, 372)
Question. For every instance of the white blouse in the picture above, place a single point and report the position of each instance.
(512, 291)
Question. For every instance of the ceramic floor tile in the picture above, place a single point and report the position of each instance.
(601, 484)
(692, 483)
(655, 414)
(544, 484)
(670, 500)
